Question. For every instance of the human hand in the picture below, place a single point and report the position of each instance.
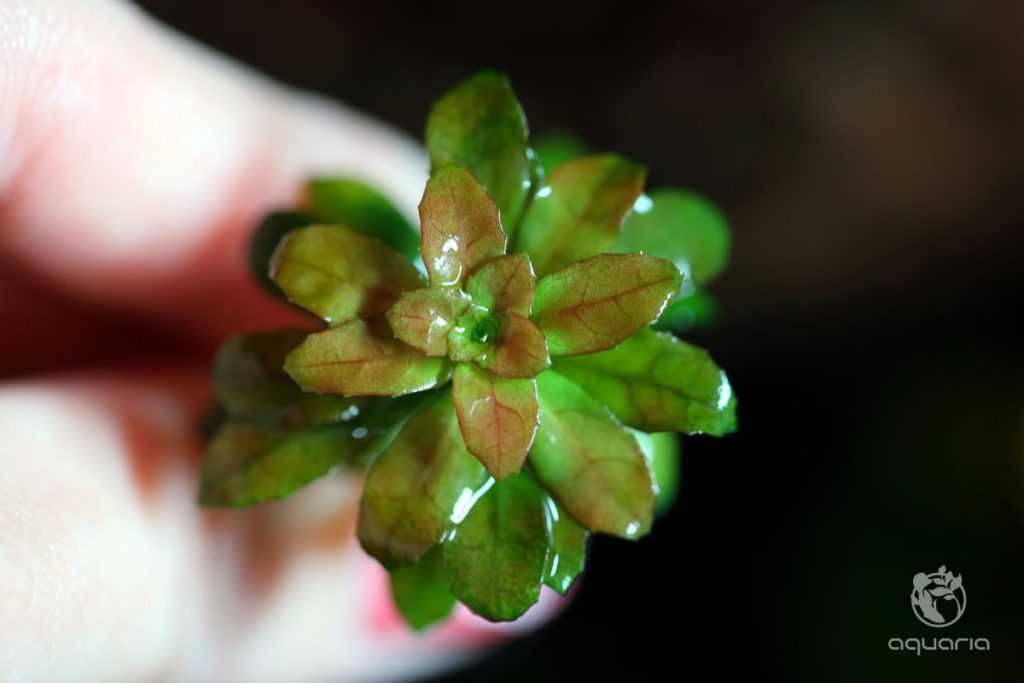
(132, 166)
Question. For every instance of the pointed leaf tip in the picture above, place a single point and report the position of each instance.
(480, 125)
(420, 590)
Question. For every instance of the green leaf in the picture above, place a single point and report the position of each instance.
(662, 451)
(568, 552)
(682, 227)
(252, 386)
(360, 359)
(498, 417)
(265, 238)
(656, 383)
(690, 309)
(339, 274)
(424, 317)
(480, 125)
(594, 304)
(589, 462)
(522, 350)
(504, 284)
(497, 555)
(578, 212)
(247, 463)
(360, 207)
(420, 590)
(420, 488)
(554, 149)
(460, 226)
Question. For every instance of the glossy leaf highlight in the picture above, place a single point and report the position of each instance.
(339, 274)
(419, 488)
(497, 417)
(657, 383)
(360, 359)
(497, 556)
(424, 317)
(480, 125)
(682, 227)
(460, 226)
(578, 212)
(594, 304)
(589, 462)
(555, 148)
(662, 451)
(567, 554)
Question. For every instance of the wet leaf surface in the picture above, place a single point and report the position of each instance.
(594, 304)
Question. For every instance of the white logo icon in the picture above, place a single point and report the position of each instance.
(939, 598)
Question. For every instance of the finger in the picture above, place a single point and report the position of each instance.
(133, 163)
(110, 571)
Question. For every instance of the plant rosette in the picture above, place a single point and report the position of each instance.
(505, 376)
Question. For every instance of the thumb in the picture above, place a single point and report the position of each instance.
(135, 161)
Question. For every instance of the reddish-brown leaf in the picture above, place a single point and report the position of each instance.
(522, 350)
(460, 226)
(498, 417)
(594, 304)
(360, 359)
(504, 284)
(423, 318)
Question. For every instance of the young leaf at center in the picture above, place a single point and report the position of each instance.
(424, 317)
(504, 284)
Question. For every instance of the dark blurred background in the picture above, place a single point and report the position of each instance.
(869, 157)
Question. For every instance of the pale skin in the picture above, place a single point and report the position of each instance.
(133, 163)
